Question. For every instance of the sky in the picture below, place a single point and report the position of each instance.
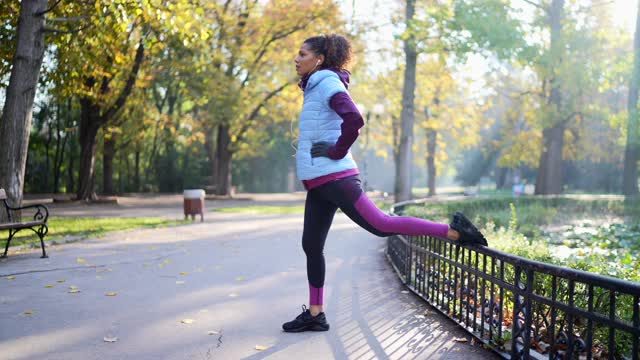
(377, 11)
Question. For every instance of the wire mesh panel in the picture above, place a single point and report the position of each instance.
(522, 309)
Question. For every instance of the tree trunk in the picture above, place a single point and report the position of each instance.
(71, 184)
(549, 179)
(403, 166)
(59, 154)
(211, 153)
(136, 177)
(108, 154)
(15, 123)
(89, 126)
(632, 149)
(501, 177)
(432, 137)
(550, 173)
(223, 156)
(93, 117)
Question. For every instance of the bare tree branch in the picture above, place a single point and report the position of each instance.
(60, 31)
(254, 113)
(64, 19)
(539, 6)
(13, 11)
(40, 13)
(122, 98)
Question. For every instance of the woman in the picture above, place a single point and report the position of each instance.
(329, 124)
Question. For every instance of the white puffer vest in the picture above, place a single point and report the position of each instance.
(318, 122)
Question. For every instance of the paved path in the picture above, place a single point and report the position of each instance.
(239, 276)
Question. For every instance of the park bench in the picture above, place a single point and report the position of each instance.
(38, 225)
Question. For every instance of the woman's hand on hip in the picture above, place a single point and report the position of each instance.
(321, 149)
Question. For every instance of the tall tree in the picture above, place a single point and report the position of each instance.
(632, 150)
(15, 123)
(403, 161)
(549, 180)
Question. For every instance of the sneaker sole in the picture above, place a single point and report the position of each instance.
(311, 328)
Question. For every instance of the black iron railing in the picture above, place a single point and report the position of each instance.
(522, 309)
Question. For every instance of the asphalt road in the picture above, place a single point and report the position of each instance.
(131, 294)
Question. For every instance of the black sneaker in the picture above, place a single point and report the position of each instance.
(307, 322)
(469, 233)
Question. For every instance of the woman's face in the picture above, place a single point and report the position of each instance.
(307, 60)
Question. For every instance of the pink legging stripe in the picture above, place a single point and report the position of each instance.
(316, 295)
(397, 224)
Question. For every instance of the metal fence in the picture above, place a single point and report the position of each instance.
(522, 309)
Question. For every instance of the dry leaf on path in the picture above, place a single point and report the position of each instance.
(30, 312)
(461, 340)
(73, 291)
(404, 291)
(184, 273)
(187, 321)
(60, 281)
(80, 260)
(10, 277)
(261, 347)
(241, 278)
(48, 286)
(213, 332)
(111, 294)
(110, 339)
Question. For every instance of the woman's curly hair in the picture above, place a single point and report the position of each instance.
(335, 48)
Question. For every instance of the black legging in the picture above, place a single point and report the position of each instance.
(346, 194)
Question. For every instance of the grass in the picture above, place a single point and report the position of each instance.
(85, 227)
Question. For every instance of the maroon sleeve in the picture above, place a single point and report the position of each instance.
(352, 121)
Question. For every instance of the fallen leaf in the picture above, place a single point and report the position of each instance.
(48, 286)
(10, 277)
(404, 291)
(111, 294)
(419, 316)
(80, 260)
(179, 282)
(146, 264)
(60, 281)
(240, 278)
(213, 332)
(184, 273)
(73, 287)
(110, 338)
(261, 347)
(30, 312)
(73, 291)
(187, 321)
(461, 340)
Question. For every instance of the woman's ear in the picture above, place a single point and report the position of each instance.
(320, 60)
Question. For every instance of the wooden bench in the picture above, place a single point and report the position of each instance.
(38, 225)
